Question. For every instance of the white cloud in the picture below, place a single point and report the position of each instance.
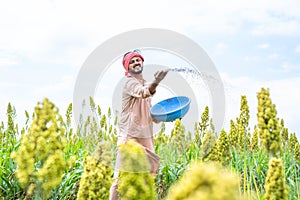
(25, 96)
(289, 67)
(273, 56)
(7, 61)
(278, 27)
(66, 84)
(282, 93)
(253, 58)
(285, 67)
(263, 46)
(49, 19)
(66, 31)
(297, 49)
(221, 48)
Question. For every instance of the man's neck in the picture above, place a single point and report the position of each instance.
(138, 76)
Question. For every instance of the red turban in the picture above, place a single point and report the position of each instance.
(127, 59)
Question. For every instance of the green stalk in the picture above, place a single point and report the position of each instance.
(255, 185)
(245, 164)
(297, 175)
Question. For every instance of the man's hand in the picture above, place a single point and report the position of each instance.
(160, 75)
(155, 120)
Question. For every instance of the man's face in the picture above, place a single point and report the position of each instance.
(135, 65)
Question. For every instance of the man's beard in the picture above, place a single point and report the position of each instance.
(133, 71)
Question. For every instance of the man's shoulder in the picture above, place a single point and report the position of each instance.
(131, 79)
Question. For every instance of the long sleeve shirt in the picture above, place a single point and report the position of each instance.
(136, 122)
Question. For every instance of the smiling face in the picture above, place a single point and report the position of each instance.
(135, 65)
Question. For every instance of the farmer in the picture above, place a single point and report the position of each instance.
(136, 122)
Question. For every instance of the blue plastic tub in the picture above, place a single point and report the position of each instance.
(171, 109)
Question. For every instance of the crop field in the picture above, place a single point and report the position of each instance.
(48, 158)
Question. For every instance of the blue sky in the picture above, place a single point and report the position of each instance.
(253, 44)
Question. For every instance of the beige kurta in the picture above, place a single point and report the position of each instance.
(136, 122)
